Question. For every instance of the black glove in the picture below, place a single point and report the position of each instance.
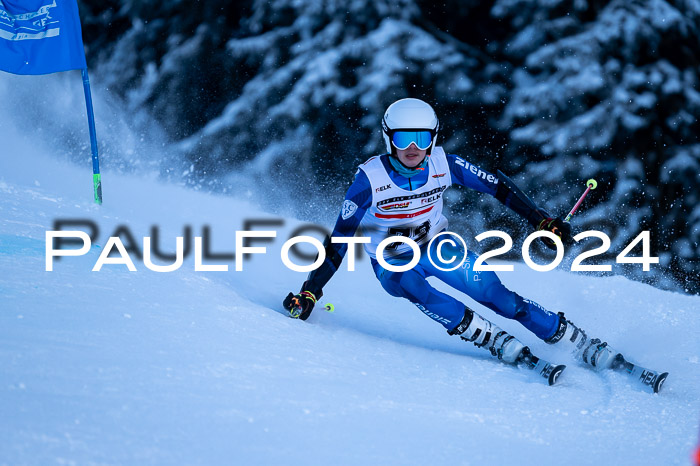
(557, 226)
(301, 304)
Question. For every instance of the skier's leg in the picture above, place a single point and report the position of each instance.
(452, 314)
(486, 288)
(413, 286)
(592, 351)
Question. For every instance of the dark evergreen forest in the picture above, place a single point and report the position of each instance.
(286, 96)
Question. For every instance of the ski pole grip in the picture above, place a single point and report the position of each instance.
(590, 184)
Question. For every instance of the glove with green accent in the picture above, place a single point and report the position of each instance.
(557, 226)
(301, 304)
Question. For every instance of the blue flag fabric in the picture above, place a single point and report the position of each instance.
(40, 36)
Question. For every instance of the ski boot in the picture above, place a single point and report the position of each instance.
(599, 356)
(593, 352)
(489, 336)
(507, 348)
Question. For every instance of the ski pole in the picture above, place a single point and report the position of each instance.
(590, 184)
(295, 311)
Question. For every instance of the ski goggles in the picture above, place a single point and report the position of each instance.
(421, 138)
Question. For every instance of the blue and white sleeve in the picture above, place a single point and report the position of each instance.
(471, 176)
(357, 201)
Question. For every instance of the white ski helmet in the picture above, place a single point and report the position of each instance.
(407, 115)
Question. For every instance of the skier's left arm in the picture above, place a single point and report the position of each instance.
(357, 201)
(502, 188)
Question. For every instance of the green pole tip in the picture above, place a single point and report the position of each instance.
(592, 183)
(97, 188)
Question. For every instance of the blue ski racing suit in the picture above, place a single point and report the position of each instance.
(383, 202)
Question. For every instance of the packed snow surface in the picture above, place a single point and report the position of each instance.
(190, 367)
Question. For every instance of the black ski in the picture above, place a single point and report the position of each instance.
(548, 371)
(647, 379)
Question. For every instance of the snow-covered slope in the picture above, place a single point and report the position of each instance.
(201, 367)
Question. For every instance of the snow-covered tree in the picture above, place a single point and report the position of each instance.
(552, 92)
(609, 90)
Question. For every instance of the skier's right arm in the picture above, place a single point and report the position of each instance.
(357, 201)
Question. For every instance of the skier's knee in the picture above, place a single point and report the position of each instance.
(410, 285)
(495, 291)
(414, 286)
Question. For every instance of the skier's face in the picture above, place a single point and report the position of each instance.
(411, 156)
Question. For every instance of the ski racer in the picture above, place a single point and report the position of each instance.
(400, 193)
